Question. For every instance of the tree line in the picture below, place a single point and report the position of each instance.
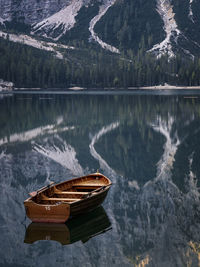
(91, 67)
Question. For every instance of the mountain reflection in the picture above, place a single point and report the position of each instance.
(81, 228)
(147, 145)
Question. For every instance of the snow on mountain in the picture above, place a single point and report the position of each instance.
(102, 10)
(54, 18)
(165, 9)
(190, 11)
(27, 40)
(59, 23)
(170, 44)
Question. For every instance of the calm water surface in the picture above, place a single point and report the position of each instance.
(147, 145)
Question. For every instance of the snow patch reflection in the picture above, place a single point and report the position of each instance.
(165, 164)
(106, 129)
(65, 156)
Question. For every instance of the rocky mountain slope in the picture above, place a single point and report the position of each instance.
(165, 26)
(132, 30)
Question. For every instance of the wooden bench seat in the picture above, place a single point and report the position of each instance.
(87, 186)
(45, 198)
(61, 199)
(70, 193)
(90, 185)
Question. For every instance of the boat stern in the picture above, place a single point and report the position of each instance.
(58, 213)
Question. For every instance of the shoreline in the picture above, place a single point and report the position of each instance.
(166, 87)
(79, 90)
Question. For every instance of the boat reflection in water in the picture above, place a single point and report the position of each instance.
(81, 228)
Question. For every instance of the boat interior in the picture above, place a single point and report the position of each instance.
(72, 191)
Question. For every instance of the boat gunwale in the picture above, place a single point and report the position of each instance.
(30, 199)
(85, 176)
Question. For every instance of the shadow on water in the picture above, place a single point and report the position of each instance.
(81, 228)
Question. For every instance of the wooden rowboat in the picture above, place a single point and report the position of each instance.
(56, 203)
(78, 228)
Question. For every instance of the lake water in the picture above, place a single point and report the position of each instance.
(147, 145)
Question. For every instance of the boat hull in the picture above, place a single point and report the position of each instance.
(88, 204)
(47, 213)
(55, 204)
(79, 228)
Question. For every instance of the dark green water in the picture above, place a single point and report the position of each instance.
(147, 145)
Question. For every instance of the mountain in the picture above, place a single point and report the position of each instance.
(128, 29)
